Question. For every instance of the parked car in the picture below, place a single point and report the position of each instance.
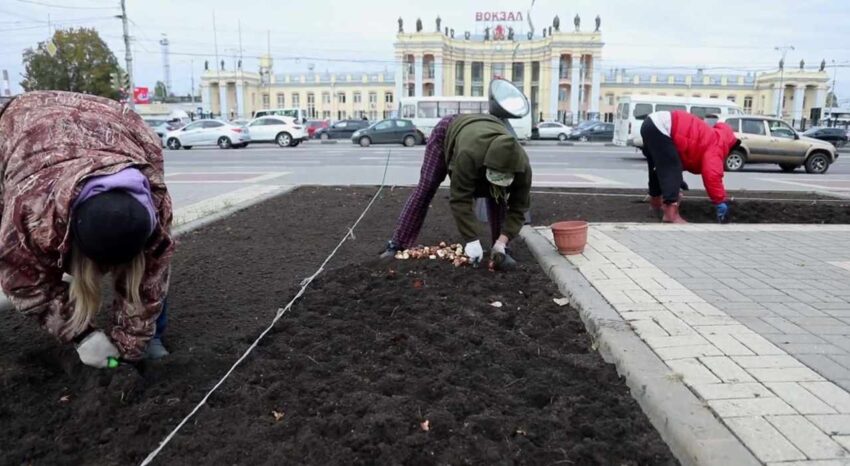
(240, 122)
(161, 126)
(835, 136)
(281, 130)
(593, 132)
(298, 114)
(392, 131)
(342, 129)
(315, 125)
(208, 133)
(553, 130)
(770, 140)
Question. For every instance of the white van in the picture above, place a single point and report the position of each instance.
(298, 114)
(633, 109)
(426, 112)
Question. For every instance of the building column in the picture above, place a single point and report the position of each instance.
(820, 98)
(206, 98)
(799, 93)
(595, 88)
(554, 81)
(399, 87)
(240, 99)
(222, 102)
(467, 78)
(418, 74)
(575, 84)
(778, 93)
(526, 81)
(488, 76)
(438, 76)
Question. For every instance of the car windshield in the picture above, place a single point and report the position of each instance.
(811, 131)
(153, 123)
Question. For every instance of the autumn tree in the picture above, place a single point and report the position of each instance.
(75, 60)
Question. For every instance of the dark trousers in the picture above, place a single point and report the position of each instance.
(663, 162)
(162, 320)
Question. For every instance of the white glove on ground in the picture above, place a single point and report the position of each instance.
(474, 251)
(96, 349)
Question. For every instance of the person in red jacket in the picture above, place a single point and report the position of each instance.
(673, 141)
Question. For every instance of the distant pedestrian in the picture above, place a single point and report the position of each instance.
(483, 160)
(83, 193)
(673, 141)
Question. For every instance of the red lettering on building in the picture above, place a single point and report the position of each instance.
(490, 16)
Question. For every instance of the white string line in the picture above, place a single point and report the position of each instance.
(280, 312)
(571, 193)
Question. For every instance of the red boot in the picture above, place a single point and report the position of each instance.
(656, 206)
(671, 213)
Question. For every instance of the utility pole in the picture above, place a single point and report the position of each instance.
(166, 64)
(192, 68)
(128, 56)
(784, 49)
(221, 103)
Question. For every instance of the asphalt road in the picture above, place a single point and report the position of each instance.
(201, 173)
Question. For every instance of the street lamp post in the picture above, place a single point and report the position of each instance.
(834, 79)
(781, 100)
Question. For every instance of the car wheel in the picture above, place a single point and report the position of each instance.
(173, 144)
(294, 143)
(583, 138)
(365, 142)
(409, 141)
(788, 167)
(562, 137)
(734, 161)
(817, 163)
(224, 143)
(187, 147)
(283, 139)
(324, 137)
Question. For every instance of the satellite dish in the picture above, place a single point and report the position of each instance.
(506, 100)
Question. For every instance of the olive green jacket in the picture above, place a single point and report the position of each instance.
(473, 144)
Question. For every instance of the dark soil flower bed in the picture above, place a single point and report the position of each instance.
(405, 362)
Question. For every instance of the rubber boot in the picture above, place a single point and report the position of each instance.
(671, 213)
(656, 206)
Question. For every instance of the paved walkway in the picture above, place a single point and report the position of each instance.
(755, 319)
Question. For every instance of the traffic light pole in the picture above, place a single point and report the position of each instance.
(128, 57)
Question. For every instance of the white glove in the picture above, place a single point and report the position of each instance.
(96, 349)
(474, 251)
(499, 247)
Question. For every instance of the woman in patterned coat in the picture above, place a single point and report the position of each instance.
(82, 192)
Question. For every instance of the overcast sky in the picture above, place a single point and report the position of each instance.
(738, 35)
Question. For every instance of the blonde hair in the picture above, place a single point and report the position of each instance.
(85, 290)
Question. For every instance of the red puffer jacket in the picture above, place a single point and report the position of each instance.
(703, 150)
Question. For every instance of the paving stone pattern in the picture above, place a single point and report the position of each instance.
(755, 319)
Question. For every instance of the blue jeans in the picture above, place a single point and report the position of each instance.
(162, 320)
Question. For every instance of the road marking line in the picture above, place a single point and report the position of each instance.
(256, 179)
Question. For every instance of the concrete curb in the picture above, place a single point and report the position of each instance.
(328, 141)
(564, 143)
(187, 227)
(179, 230)
(694, 435)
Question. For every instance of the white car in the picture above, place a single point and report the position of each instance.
(281, 130)
(553, 130)
(208, 133)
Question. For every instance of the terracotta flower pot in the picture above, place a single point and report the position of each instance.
(570, 236)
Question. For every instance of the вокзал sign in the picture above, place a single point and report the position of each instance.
(498, 16)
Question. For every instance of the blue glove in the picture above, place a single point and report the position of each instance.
(722, 212)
